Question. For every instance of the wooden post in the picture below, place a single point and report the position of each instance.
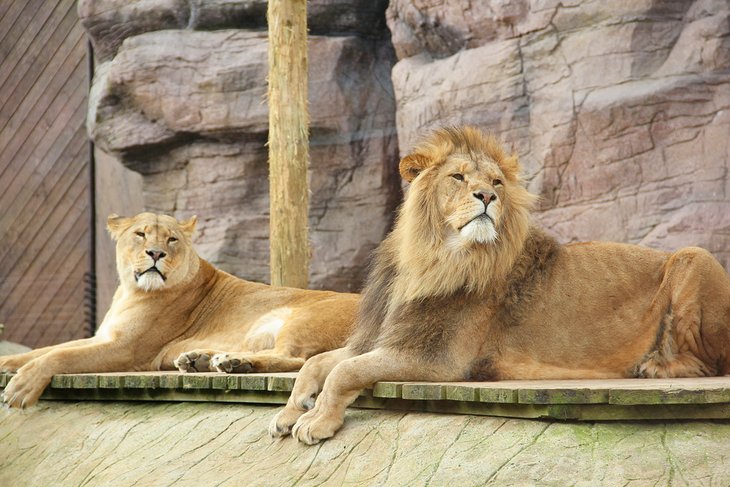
(288, 142)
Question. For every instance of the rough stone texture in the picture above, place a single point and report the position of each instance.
(186, 108)
(66, 443)
(619, 110)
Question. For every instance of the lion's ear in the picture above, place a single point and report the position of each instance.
(412, 164)
(188, 226)
(117, 224)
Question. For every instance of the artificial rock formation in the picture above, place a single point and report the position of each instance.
(619, 110)
(179, 96)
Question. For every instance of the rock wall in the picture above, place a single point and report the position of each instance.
(619, 110)
(179, 96)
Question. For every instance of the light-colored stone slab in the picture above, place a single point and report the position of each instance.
(146, 444)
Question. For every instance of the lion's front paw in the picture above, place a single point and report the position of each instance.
(226, 362)
(25, 388)
(282, 423)
(313, 427)
(193, 361)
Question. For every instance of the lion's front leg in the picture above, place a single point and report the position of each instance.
(344, 383)
(308, 384)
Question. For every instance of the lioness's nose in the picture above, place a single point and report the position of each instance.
(156, 254)
(485, 196)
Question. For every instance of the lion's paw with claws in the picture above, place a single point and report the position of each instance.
(314, 426)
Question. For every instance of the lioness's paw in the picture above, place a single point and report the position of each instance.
(194, 361)
(9, 365)
(225, 362)
(313, 427)
(24, 389)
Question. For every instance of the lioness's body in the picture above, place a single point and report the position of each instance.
(465, 288)
(187, 313)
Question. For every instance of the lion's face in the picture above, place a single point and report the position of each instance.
(153, 251)
(470, 193)
(465, 191)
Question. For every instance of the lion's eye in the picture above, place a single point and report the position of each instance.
(171, 240)
(496, 182)
(457, 176)
(139, 234)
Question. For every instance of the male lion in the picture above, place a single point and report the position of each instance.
(170, 301)
(464, 288)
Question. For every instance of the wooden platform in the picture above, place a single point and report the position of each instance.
(625, 399)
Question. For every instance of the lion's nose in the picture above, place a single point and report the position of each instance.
(485, 196)
(156, 254)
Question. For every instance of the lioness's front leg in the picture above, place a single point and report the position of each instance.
(195, 361)
(11, 363)
(28, 384)
(347, 379)
(308, 384)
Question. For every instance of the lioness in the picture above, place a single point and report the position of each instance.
(170, 302)
(465, 288)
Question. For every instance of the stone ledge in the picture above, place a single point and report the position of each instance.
(619, 399)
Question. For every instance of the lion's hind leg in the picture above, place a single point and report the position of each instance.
(693, 339)
(308, 384)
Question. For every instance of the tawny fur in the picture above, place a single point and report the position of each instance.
(197, 317)
(441, 304)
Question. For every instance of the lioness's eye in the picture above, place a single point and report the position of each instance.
(171, 240)
(139, 234)
(496, 182)
(457, 176)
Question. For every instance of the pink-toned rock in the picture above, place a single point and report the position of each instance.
(619, 110)
(187, 110)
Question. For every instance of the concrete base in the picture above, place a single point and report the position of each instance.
(211, 444)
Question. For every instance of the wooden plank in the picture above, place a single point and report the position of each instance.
(5, 7)
(26, 67)
(45, 197)
(218, 387)
(12, 28)
(20, 258)
(171, 381)
(562, 396)
(196, 381)
(280, 383)
(424, 391)
(49, 259)
(136, 381)
(392, 390)
(46, 99)
(57, 121)
(253, 382)
(56, 319)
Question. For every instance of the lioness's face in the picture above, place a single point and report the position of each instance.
(470, 195)
(153, 251)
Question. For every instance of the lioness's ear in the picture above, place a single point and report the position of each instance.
(117, 224)
(411, 165)
(188, 226)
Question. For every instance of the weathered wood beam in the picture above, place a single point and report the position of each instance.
(288, 142)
